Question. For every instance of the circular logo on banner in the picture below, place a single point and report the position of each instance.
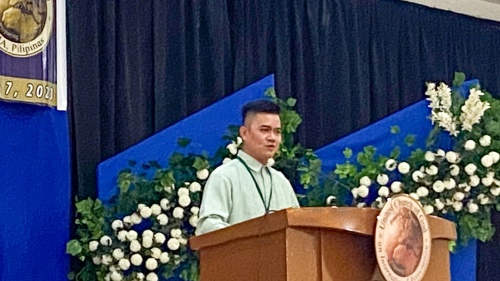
(402, 240)
(25, 26)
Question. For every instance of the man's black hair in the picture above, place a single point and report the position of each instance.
(259, 106)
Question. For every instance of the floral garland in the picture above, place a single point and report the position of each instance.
(143, 232)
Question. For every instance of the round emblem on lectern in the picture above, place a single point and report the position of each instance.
(402, 240)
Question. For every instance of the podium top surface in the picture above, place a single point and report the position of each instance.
(360, 221)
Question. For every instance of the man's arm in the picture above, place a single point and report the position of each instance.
(215, 204)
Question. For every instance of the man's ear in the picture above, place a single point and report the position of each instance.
(243, 131)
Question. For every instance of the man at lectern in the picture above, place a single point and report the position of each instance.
(247, 187)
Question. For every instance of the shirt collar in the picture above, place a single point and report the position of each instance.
(251, 162)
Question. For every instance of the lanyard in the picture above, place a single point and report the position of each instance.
(257, 185)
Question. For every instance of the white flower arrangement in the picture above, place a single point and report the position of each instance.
(461, 184)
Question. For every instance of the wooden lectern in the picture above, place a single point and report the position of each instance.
(307, 244)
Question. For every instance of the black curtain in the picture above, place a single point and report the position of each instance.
(137, 67)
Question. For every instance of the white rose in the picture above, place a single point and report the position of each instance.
(194, 187)
(454, 170)
(136, 259)
(403, 168)
(439, 205)
(155, 209)
(135, 218)
(203, 174)
(193, 220)
(162, 219)
(417, 175)
(422, 191)
(135, 246)
(147, 233)
(122, 235)
(472, 207)
(155, 253)
(145, 212)
(226, 160)
(470, 145)
(195, 210)
(160, 238)
(176, 233)
(152, 277)
(483, 200)
(116, 276)
(140, 276)
(233, 149)
(487, 161)
(459, 196)
(487, 181)
(239, 141)
(118, 253)
(428, 209)
(270, 162)
(127, 220)
(183, 241)
(396, 187)
(328, 200)
(164, 204)
(354, 192)
(151, 264)
(495, 156)
(382, 179)
(106, 240)
(184, 200)
(470, 169)
(365, 181)
(449, 184)
(390, 164)
(474, 180)
(485, 140)
(178, 213)
(438, 186)
(432, 170)
(147, 242)
(451, 157)
(414, 195)
(361, 205)
(383, 191)
(96, 260)
(140, 206)
(173, 244)
(495, 191)
(116, 225)
(363, 191)
(107, 277)
(380, 202)
(164, 258)
(106, 259)
(429, 156)
(183, 191)
(440, 153)
(457, 206)
(124, 264)
(93, 245)
(132, 235)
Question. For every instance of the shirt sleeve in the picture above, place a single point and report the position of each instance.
(215, 204)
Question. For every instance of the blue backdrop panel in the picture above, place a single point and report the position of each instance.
(411, 120)
(205, 129)
(35, 186)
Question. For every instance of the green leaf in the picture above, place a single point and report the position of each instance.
(183, 142)
(73, 247)
(345, 170)
(395, 129)
(458, 79)
(200, 164)
(291, 102)
(347, 152)
(395, 153)
(175, 159)
(410, 140)
(270, 92)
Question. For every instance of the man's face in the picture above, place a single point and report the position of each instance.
(261, 135)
